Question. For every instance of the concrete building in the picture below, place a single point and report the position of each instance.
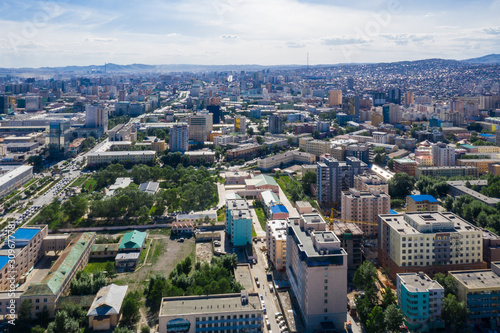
(276, 243)
(123, 132)
(333, 177)
(211, 313)
(201, 156)
(15, 178)
(276, 122)
(44, 295)
(238, 222)
(104, 313)
(132, 241)
(236, 178)
(431, 242)
(96, 117)
(335, 98)
(244, 151)
(303, 207)
(240, 124)
(491, 247)
(350, 235)
(316, 267)
(285, 159)
(363, 206)
(421, 203)
(368, 181)
(452, 171)
(480, 290)
(360, 151)
(443, 154)
(200, 125)
(458, 188)
(482, 165)
(421, 301)
(405, 165)
(132, 157)
(380, 137)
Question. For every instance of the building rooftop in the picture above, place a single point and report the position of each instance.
(149, 187)
(14, 173)
(217, 304)
(261, 180)
(105, 247)
(446, 167)
(422, 197)
(404, 161)
(418, 282)
(344, 229)
(24, 234)
(133, 240)
(302, 204)
(477, 279)
(3, 261)
(270, 198)
(124, 256)
(279, 209)
(108, 301)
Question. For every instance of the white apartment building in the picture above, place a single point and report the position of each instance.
(290, 157)
(365, 206)
(179, 138)
(443, 154)
(380, 137)
(316, 266)
(276, 243)
(96, 117)
(200, 125)
(108, 157)
(368, 181)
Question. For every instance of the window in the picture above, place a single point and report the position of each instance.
(326, 310)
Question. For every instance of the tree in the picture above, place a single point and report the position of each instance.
(63, 324)
(447, 282)
(401, 185)
(365, 276)
(393, 318)
(390, 164)
(454, 312)
(448, 203)
(363, 308)
(308, 179)
(260, 140)
(375, 322)
(130, 308)
(379, 159)
(122, 329)
(37, 329)
(25, 310)
(250, 131)
(316, 134)
(110, 270)
(145, 329)
(388, 298)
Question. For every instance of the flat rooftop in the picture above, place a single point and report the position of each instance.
(415, 282)
(217, 304)
(477, 279)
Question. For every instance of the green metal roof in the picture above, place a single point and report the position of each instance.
(63, 267)
(132, 240)
(266, 180)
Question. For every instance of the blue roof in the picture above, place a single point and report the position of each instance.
(423, 197)
(3, 261)
(393, 211)
(486, 135)
(25, 234)
(279, 209)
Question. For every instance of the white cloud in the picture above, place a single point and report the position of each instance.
(404, 38)
(295, 45)
(229, 36)
(343, 40)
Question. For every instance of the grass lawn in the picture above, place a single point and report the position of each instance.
(90, 184)
(97, 266)
(262, 217)
(254, 234)
(79, 181)
(144, 251)
(158, 249)
(160, 231)
(221, 214)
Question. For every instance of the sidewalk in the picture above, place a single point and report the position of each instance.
(255, 221)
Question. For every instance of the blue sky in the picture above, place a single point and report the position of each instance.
(272, 32)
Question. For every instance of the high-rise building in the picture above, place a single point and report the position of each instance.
(350, 83)
(360, 151)
(443, 154)
(316, 266)
(200, 125)
(214, 109)
(409, 97)
(335, 98)
(350, 106)
(333, 177)
(379, 99)
(179, 138)
(4, 104)
(59, 138)
(394, 96)
(276, 123)
(240, 124)
(33, 103)
(121, 96)
(365, 206)
(96, 117)
(238, 222)
(392, 113)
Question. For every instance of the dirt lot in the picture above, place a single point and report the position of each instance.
(204, 252)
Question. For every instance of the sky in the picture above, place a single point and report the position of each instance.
(223, 32)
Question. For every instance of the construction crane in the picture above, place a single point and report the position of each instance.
(348, 221)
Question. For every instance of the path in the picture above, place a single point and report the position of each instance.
(255, 221)
(284, 201)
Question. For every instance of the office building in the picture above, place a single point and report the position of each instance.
(96, 117)
(409, 97)
(240, 124)
(350, 106)
(452, 171)
(123, 132)
(276, 122)
(45, 294)
(214, 109)
(15, 178)
(443, 154)
(392, 113)
(59, 139)
(276, 243)
(431, 242)
(333, 177)
(405, 165)
(491, 247)
(316, 266)
(394, 96)
(480, 290)
(421, 300)
(335, 98)
(200, 125)
(379, 137)
(244, 151)
(421, 203)
(125, 157)
(211, 313)
(368, 181)
(360, 151)
(351, 236)
(379, 99)
(238, 222)
(361, 206)
(179, 138)
(4, 104)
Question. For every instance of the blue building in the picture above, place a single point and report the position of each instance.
(238, 222)
(420, 299)
(255, 113)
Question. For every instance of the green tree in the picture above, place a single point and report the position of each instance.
(448, 203)
(145, 329)
(390, 164)
(63, 324)
(388, 298)
(308, 179)
(110, 270)
(250, 131)
(130, 308)
(375, 322)
(454, 312)
(379, 159)
(122, 329)
(316, 134)
(260, 140)
(447, 282)
(393, 318)
(37, 329)
(365, 276)
(363, 308)
(401, 185)
(25, 310)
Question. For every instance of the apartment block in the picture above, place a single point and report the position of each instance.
(244, 151)
(285, 159)
(200, 125)
(482, 165)
(361, 206)
(443, 154)
(316, 266)
(350, 235)
(421, 300)
(179, 138)
(405, 165)
(238, 222)
(133, 157)
(450, 171)
(421, 203)
(368, 181)
(276, 243)
(431, 242)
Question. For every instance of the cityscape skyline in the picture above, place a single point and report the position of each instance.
(61, 33)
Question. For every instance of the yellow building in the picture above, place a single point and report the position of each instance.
(158, 146)
(421, 203)
(481, 164)
(335, 98)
